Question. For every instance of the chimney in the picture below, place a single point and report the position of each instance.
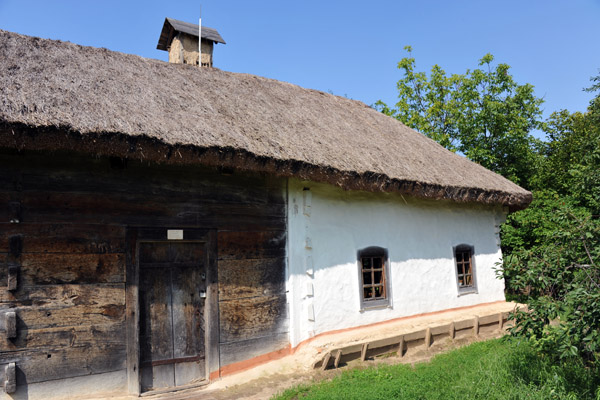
(180, 39)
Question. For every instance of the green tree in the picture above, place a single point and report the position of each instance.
(483, 114)
(571, 162)
(552, 249)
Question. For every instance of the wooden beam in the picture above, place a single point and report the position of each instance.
(428, 338)
(211, 310)
(401, 347)
(132, 313)
(13, 276)
(363, 352)
(336, 362)
(325, 361)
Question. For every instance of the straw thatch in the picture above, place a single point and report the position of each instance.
(61, 96)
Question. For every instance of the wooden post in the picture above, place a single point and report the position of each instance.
(363, 352)
(428, 338)
(200, 39)
(10, 378)
(336, 362)
(452, 330)
(500, 321)
(401, 347)
(132, 314)
(13, 274)
(326, 361)
(476, 326)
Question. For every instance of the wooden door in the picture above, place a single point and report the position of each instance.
(172, 293)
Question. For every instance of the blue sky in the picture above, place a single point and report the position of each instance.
(348, 47)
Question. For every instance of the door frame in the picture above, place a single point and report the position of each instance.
(132, 306)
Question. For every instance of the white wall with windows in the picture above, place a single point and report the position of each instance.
(327, 228)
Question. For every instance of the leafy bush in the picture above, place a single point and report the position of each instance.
(552, 263)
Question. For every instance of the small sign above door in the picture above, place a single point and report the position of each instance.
(175, 234)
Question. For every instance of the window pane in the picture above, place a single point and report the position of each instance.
(378, 277)
(377, 262)
(366, 263)
(378, 291)
(368, 293)
(459, 256)
(467, 267)
(461, 280)
(367, 278)
(468, 280)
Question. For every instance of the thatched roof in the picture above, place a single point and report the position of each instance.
(62, 96)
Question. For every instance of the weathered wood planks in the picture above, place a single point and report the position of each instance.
(76, 279)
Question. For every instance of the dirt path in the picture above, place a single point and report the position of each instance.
(267, 386)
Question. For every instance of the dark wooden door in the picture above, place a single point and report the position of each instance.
(172, 293)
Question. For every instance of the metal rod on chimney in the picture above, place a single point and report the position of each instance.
(200, 38)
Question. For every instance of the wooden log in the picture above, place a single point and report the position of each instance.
(251, 278)
(64, 336)
(65, 238)
(241, 245)
(41, 365)
(252, 317)
(46, 269)
(131, 209)
(73, 305)
(83, 175)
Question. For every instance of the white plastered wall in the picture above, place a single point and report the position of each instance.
(326, 228)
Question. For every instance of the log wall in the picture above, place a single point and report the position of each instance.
(69, 248)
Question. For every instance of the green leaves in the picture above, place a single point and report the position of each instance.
(552, 249)
(553, 261)
(484, 114)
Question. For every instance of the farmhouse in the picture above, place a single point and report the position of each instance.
(164, 225)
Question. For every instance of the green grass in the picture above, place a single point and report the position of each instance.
(496, 369)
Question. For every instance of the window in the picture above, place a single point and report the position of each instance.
(465, 268)
(374, 276)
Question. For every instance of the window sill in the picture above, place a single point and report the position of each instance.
(464, 292)
(374, 307)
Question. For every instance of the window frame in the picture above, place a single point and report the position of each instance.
(471, 249)
(374, 251)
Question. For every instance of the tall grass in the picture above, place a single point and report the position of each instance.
(496, 369)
